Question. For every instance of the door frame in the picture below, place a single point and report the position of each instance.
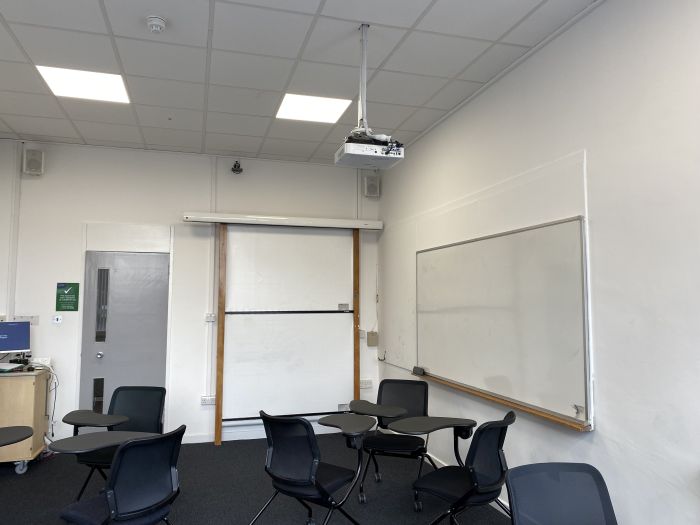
(120, 244)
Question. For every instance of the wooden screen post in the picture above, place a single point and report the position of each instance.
(220, 332)
(356, 311)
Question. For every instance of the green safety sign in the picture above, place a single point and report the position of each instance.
(67, 296)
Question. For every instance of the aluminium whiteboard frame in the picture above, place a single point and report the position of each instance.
(585, 425)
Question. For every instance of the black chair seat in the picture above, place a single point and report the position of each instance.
(450, 484)
(95, 511)
(330, 477)
(399, 443)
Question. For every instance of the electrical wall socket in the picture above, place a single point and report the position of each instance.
(365, 383)
(208, 400)
(46, 361)
(343, 407)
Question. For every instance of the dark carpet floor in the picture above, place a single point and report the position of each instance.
(228, 485)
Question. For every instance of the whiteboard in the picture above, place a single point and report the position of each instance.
(288, 345)
(507, 315)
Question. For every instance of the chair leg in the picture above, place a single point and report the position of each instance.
(441, 517)
(432, 463)
(264, 507)
(342, 511)
(377, 474)
(87, 480)
(361, 496)
(309, 512)
(102, 473)
(503, 507)
(328, 516)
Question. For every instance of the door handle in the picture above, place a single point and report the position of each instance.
(99, 355)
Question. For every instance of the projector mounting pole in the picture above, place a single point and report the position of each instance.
(362, 100)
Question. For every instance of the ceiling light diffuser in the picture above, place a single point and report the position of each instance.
(90, 85)
(312, 109)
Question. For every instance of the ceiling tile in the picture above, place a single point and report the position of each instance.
(295, 148)
(402, 88)
(422, 119)
(167, 61)
(184, 149)
(296, 130)
(186, 21)
(339, 133)
(8, 48)
(237, 124)
(494, 61)
(404, 136)
(8, 135)
(115, 143)
(83, 15)
(4, 128)
(56, 127)
(419, 52)
(173, 137)
(239, 70)
(243, 101)
(302, 6)
(391, 12)
(255, 30)
(34, 137)
(453, 93)
(69, 49)
(29, 104)
(158, 117)
(488, 19)
(326, 151)
(223, 142)
(325, 80)
(293, 158)
(95, 111)
(546, 20)
(380, 116)
(106, 131)
(338, 42)
(169, 93)
(21, 77)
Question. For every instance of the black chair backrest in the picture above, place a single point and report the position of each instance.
(143, 405)
(554, 493)
(485, 458)
(404, 393)
(292, 451)
(144, 475)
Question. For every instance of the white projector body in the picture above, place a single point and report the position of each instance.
(367, 156)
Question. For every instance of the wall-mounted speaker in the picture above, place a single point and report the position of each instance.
(371, 186)
(33, 162)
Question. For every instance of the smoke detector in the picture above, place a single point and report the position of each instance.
(156, 24)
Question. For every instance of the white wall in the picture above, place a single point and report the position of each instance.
(84, 184)
(623, 85)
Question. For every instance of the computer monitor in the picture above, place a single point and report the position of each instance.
(14, 337)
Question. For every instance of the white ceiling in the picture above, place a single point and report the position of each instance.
(212, 82)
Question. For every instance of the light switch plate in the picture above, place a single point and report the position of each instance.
(372, 338)
(208, 400)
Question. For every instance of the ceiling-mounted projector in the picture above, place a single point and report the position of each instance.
(363, 148)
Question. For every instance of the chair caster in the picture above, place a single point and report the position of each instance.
(310, 521)
(362, 497)
(378, 477)
(21, 467)
(418, 506)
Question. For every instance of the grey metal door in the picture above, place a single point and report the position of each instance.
(125, 317)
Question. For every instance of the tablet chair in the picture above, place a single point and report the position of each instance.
(141, 487)
(294, 463)
(144, 407)
(408, 394)
(476, 482)
(553, 493)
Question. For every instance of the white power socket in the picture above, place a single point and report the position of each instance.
(45, 361)
(208, 400)
(365, 383)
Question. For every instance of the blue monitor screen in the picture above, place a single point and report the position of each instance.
(14, 337)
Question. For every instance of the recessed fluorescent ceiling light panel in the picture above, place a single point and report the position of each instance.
(313, 109)
(74, 83)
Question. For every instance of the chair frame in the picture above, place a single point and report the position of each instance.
(462, 503)
(421, 454)
(327, 500)
(110, 410)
